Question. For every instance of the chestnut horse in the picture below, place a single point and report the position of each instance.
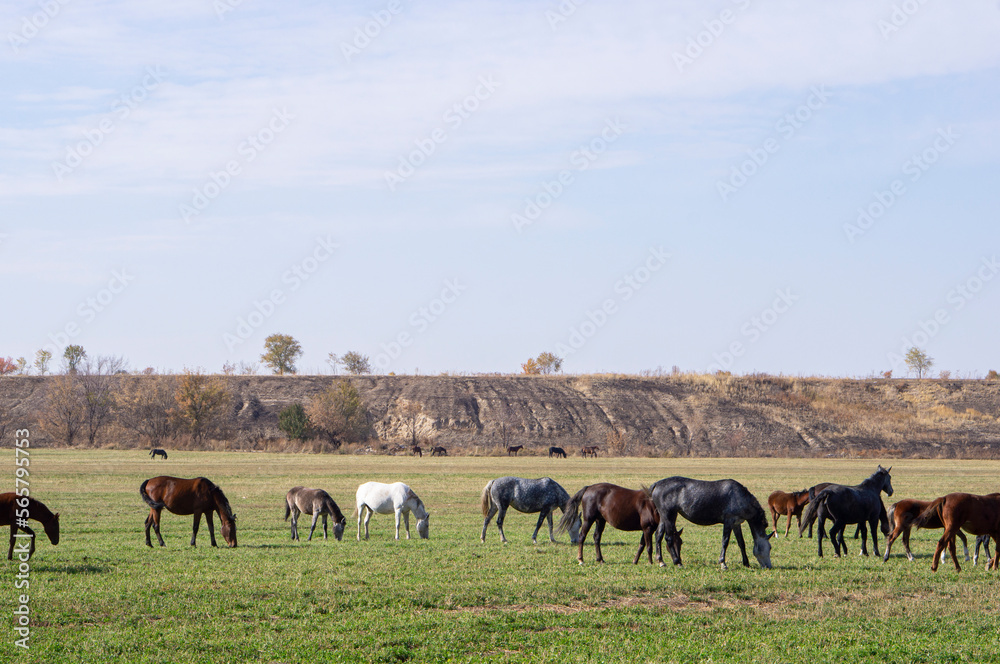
(625, 509)
(903, 514)
(977, 515)
(14, 509)
(180, 496)
(789, 505)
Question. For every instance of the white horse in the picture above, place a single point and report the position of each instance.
(375, 497)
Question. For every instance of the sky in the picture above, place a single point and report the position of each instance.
(780, 187)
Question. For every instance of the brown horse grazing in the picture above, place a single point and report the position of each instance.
(416, 450)
(903, 514)
(977, 515)
(589, 450)
(14, 508)
(514, 449)
(789, 505)
(625, 509)
(315, 502)
(180, 496)
(439, 451)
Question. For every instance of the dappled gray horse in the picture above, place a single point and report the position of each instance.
(707, 503)
(849, 504)
(542, 495)
(317, 503)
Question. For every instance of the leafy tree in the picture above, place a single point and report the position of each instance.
(199, 404)
(918, 361)
(42, 359)
(339, 414)
(549, 363)
(22, 366)
(7, 366)
(531, 367)
(280, 353)
(294, 422)
(355, 363)
(73, 355)
(992, 375)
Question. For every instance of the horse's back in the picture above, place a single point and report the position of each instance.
(383, 498)
(705, 502)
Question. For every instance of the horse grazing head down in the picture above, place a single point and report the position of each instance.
(338, 529)
(229, 531)
(423, 527)
(762, 549)
(52, 528)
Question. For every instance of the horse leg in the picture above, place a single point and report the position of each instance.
(642, 545)
(406, 522)
(965, 544)
(399, 514)
(325, 536)
(774, 518)
(295, 521)
(798, 521)
(788, 526)
(211, 527)
(538, 526)
(820, 533)
(954, 553)
(368, 517)
(489, 517)
(906, 544)
(585, 528)
(598, 533)
(660, 530)
(500, 517)
(13, 538)
(313, 527)
(874, 526)
(726, 530)
(549, 517)
(864, 537)
(156, 525)
(194, 527)
(738, 531)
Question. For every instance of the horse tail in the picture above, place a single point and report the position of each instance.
(571, 511)
(810, 513)
(485, 499)
(156, 505)
(288, 510)
(934, 509)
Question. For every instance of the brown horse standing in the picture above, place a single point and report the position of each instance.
(514, 449)
(903, 514)
(977, 515)
(589, 450)
(625, 509)
(14, 508)
(180, 496)
(439, 451)
(789, 505)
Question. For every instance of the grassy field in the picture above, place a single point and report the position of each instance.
(101, 595)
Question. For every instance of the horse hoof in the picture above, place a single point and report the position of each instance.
(662, 564)
(723, 565)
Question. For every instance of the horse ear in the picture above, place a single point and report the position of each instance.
(888, 469)
(680, 532)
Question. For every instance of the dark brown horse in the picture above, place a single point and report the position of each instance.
(903, 514)
(625, 509)
(16, 510)
(977, 515)
(439, 451)
(180, 496)
(589, 450)
(416, 450)
(789, 505)
(316, 503)
(514, 449)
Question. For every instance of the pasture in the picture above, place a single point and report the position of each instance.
(101, 595)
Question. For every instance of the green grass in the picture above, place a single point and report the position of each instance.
(101, 595)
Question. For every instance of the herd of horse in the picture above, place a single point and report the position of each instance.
(652, 510)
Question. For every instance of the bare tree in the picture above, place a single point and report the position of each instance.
(62, 415)
(410, 412)
(98, 379)
(143, 406)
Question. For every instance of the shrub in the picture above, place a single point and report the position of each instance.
(294, 422)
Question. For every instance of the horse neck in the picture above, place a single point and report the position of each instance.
(334, 509)
(222, 506)
(417, 507)
(873, 483)
(38, 511)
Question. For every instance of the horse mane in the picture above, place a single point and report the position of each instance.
(221, 501)
(38, 511)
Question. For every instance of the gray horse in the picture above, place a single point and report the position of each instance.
(543, 495)
(706, 503)
(317, 503)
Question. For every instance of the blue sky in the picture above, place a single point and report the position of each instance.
(460, 186)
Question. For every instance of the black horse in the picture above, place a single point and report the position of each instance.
(557, 452)
(849, 504)
(157, 452)
(707, 503)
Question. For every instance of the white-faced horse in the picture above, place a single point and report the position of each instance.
(395, 498)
